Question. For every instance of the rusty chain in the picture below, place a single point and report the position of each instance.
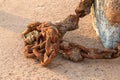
(43, 40)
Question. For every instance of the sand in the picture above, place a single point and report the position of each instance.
(15, 14)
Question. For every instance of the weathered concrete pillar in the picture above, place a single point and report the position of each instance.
(107, 21)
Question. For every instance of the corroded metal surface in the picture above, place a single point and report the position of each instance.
(42, 40)
(77, 52)
(84, 7)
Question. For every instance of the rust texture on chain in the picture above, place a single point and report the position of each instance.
(43, 40)
(84, 7)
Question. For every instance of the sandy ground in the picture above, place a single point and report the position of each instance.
(15, 14)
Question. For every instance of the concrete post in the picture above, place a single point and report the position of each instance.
(107, 21)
